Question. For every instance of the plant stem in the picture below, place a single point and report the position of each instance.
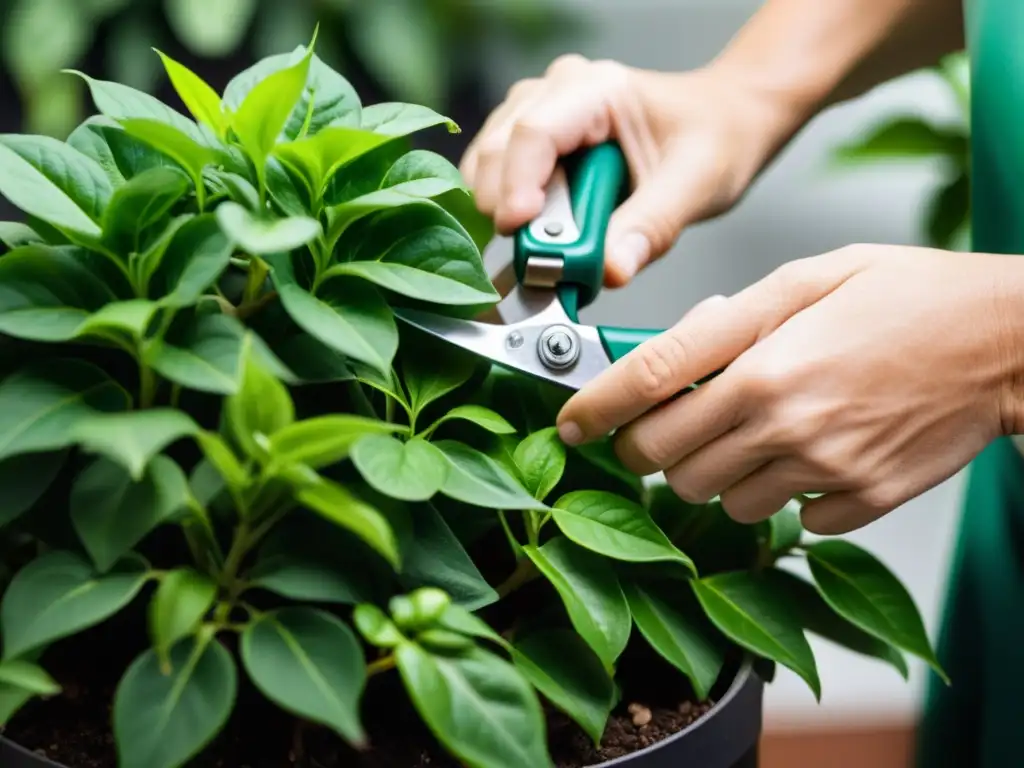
(524, 573)
(383, 664)
(361, 402)
(250, 308)
(147, 386)
(239, 548)
(254, 284)
(513, 542)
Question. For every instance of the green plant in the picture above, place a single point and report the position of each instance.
(208, 409)
(948, 215)
(417, 50)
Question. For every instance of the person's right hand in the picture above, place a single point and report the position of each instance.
(693, 141)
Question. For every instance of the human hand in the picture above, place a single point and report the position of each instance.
(869, 374)
(693, 142)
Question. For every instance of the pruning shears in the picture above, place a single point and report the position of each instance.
(559, 268)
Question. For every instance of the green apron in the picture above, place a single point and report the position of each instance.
(978, 722)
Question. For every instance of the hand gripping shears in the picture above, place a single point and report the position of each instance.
(559, 268)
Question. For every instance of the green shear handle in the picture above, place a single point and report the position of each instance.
(597, 182)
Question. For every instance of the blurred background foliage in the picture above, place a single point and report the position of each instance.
(424, 51)
(947, 218)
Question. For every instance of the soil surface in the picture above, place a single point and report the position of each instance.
(74, 729)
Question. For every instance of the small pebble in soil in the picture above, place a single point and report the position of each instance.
(641, 714)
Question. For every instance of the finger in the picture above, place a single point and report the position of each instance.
(723, 462)
(837, 513)
(671, 197)
(696, 347)
(765, 491)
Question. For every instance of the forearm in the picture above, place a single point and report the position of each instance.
(804, 55)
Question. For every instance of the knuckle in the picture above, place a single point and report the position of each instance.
(642, 450)
(879, 498)
(687, 488)
(520, 88)
(765, 379)
(658, 363)
(567, 63)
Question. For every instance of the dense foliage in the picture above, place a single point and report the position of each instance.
(208, 409)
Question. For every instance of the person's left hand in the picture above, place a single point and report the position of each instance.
(869, 374)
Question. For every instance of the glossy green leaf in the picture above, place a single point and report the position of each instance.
(59, 594)
(192, 260)
(324, 440)
(421, 165)
(785, 528)
(259, 236)
(396, 119)
(140, 203)
(234, 187)
(41, 404)
(751, 612)
(475, 478)
(112, 513)
(541, 461)
(335, 503)
(21, 681)
(260, 407)
(121, 155)
(163, 720)
(223, 460)
(307, 578)
(412, 471)
(179, 604)
(375, 626)
(262, 115)
(200, 99)
(352, 319)
(202, 355)
(309, 663)
(678, 631)
(614, 527)
(14, 234)
(565, 670)
(426, 380)
(866, 593)
(477, 705)
(133, 438)
(54, 182)
(591, 593)
(318, 157)
(817, 617)
(188, 152)
(477, 414)
(24, 479)
(902, 138)
(434, 556)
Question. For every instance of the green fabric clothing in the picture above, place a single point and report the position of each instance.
(978, 721)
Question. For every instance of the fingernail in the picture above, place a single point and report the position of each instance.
(570, 433)
(631, 253)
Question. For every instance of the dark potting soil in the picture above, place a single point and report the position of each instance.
(74, 729)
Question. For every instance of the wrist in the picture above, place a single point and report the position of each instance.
(1009, 339)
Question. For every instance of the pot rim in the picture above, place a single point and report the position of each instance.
(739, 681)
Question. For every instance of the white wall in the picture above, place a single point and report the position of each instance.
(797, 208)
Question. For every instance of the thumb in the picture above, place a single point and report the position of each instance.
(677, 193)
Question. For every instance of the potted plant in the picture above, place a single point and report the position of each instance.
(242, 508)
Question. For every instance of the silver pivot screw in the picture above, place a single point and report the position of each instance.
(558, 347)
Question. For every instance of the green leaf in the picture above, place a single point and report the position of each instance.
(262, 116)
(14, 234)
(194, 257)
(40, 37)
(335, 503)
(306, 578)
(591, 593)
(318, 157)
(119, 102)
(41, 404)
(565, 670)
(140, 203)
(412, 471)
(200, 99)
(423, 166)
(541, 461)
(177, 608)
(949, 211)
(614, 527)
(434, 556)
(162, 721)
(866, 593)
(752, 613)
(905, 137)
(112, 513)
(477, 705)
(261, 236)
(59, 594)
(309, 663)
(23, 481)
(234, 187)
(817, 617)
(223, 459)
(481, 416)
(187, 151)
(54, 182)
(785, 528)
(210, 30)
(477, 479)
(396, 119)
(350, 318)
(202, 355)
(324, 440)
(426, 380)
(133, 438)
(21, 681)
(679, 633)
(375, 626)
(260, 408)
(121, 155)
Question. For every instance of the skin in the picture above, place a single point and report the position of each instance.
(869, 374)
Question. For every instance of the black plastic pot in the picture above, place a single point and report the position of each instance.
(727, 737)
